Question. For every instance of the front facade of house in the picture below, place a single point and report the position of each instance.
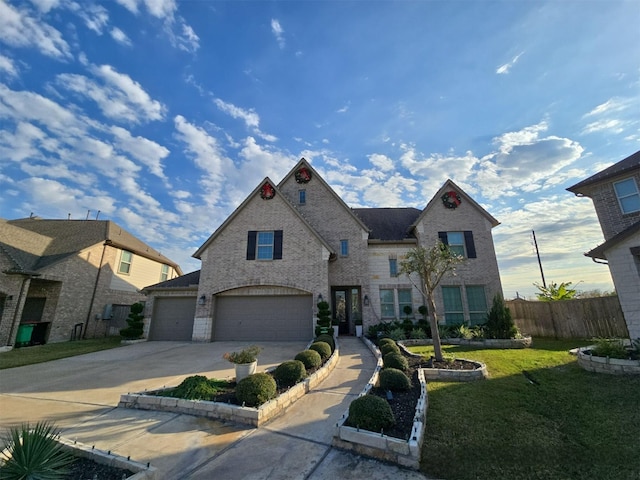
(64, 279)
(292, 244)
(615, 192)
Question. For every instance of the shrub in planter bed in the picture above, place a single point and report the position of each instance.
(323, 348)
(289, 373)
(389, 348)
(394, 380)
(256, 389)
(327, 339)
(395, 360)
(198, 387)
(386, 341)
(310, 359)
(370, 412)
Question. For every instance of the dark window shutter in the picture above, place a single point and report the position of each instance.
(251, 245)
(443, 237)
(471, 246)
(277, 245)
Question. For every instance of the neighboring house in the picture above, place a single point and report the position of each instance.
(63, 279)
(615, 192)
(291, 244)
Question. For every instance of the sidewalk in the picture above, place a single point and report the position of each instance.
(296, 445)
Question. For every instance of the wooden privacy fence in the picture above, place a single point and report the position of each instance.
(582, 318)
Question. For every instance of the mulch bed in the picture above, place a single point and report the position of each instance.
(87, 469)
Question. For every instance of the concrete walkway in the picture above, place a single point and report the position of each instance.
(79, 394)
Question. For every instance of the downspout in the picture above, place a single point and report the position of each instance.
(95, 289)
(15, 312)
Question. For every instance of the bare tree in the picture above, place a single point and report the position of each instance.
(430, 264)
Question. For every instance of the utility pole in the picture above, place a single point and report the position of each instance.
(544, 284)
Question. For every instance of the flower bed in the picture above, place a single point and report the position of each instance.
(449, 375)
(612, 366)
(523, 342)
(228, 412)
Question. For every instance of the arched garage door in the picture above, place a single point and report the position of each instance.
(172, 318)
(263, 318)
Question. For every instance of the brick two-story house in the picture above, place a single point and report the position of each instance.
(615, 192)
(69, 278)
(291, 244)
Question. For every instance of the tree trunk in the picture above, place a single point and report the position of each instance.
(435, 333)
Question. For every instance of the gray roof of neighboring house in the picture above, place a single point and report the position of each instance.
(599, 251)
(388, 224)
(35, 243)
(623, 166)
(184, 281)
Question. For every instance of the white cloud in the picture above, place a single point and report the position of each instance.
(250, 117)
(157, 8)
(504, 69)
(611, 125)
(18, 29)
(8, 67)
(142, 149)
(278, 32)
(95, 17)
(46, 5)
(382, 162)
(120, 37)
(611, 105)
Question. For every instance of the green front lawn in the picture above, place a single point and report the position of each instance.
(19, 357)
(567, 424)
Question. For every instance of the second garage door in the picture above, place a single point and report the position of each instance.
(172, 319)
(265, 318)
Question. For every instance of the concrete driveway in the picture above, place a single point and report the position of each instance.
(80, 394)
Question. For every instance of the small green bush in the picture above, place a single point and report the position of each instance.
(389, 348)
(385, 341)
(499, 322)
(289, 373)
(398, 334)
(417, 333)
(198, 387)
(323, 348)
(612, 348)
(327, 339)
(370, 413)
(256, 389)
(394, 380)
(395, 360)
(310, 359)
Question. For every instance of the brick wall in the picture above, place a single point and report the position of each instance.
(625, 271)
(610, 216)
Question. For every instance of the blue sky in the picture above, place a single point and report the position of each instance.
(163, 115)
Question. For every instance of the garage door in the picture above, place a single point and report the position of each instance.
(265, 318)
(172, 318)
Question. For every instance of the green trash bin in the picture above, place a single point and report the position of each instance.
(24, 334)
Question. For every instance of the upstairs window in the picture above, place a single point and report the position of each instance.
(125, 262)
(393, 267)
(628, 196)
(302, 197)
(266, 245)
(460, 243)
(164, 273)
(344, 248)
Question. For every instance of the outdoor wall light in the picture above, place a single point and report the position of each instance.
(320, 298)
(202, 300)
(366, 299)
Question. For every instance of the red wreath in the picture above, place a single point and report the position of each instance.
(303, 175)
(267, 192)
(451, 199)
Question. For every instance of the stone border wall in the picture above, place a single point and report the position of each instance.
(612, 366)
(379, 446)
(448, 375)
(228, 412)
(524, 342)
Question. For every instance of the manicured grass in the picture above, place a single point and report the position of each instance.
(19, 357)
(568, 424)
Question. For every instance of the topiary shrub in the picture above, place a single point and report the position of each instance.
(310, 359)
(324, 318)
(289, 373)
(198, 387)
(385, 341)
(389, 348)
(323, 348)
(370, 413)
(499, 322)
(327, 339)
(256, 389)
(135, 320)
(395, 360)
(394, 380)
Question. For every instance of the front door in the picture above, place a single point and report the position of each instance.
(346, 308)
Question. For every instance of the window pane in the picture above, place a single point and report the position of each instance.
(125, 262)
(452, 298)
(265, 238)
(457, 249)
(455, 238)
(344, 247)
(302, 196)
(387, 303)
(393, 267)
(404, 299)
(626, 187)
(265, 246)
(477, 304)
(630, 204)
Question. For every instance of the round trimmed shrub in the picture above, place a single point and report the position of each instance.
(327, 339)
(370, 413)
(385, 341)
(323, 348)
(394, 380)
(310, 358)
(389, 348)
(195, 387)
(256, 389)
(395, 360)
(289, 373)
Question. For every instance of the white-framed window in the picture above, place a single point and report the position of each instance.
(628, 196)
(344, 248)
(164, 273)
(455, 240)
(393, 267)
(453, 309)
(404, 300)
(477, 303)
(393, 301)
(126, 258)
(460, 243)
(265, 246)
(302, 197)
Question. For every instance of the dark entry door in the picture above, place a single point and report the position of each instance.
(346, 308)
